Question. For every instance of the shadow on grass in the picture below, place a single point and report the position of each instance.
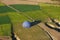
(35, 22)
(25, 8)
(52, 27)
(57, 29)
(12, 32)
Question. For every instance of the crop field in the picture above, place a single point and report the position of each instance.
(32, 33)
(5, 26)
(51, 10)
(5, 29)
(37, 12)
(4, 20)
(34, 11)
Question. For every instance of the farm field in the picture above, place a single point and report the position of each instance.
(33, 11)
(32, 33)
(38, 12)
(51, 10)
(5, 27)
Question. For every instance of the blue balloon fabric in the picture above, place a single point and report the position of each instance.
(26, 24)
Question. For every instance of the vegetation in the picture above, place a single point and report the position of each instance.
(1, 4)
(5, 9)
(5, 30)
(38, 12)
(55, 0)
(4, 20)
(5, 26)
(32, 33)
(26, 8)
(51, 10)
(33, 11)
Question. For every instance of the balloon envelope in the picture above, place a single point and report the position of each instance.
(26, 24)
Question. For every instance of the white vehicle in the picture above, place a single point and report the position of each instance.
(50, 25)
(56, 21)
(58, 27)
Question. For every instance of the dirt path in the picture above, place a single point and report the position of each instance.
(54, 34)
(31, 2)
(5, 38)
(9, 2)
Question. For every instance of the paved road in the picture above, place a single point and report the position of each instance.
(54, 34)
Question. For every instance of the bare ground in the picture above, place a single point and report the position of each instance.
(31, 2)
(5, 38)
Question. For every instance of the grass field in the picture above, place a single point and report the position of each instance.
(4, 20)
(38, 12)
(5, 30)
(41, 11)
(51, 10)
(33, 11)
(5, 27)
(32, 33)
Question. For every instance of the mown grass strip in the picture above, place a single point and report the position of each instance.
(4, 20)
(5, 30)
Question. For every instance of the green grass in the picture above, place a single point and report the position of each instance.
(5, 30)
(4, 20)
(5, 9)
(38, 12)
(5, 27)
(51, 11)
(16, 17)
(25, 8)
(33, 33)
(33, 11)
(2, 4)
(37, 15)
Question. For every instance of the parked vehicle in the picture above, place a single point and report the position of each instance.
(50, 25)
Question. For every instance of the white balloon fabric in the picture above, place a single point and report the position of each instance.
(26, 24)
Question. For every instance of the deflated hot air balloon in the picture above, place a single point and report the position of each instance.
(26, 24)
